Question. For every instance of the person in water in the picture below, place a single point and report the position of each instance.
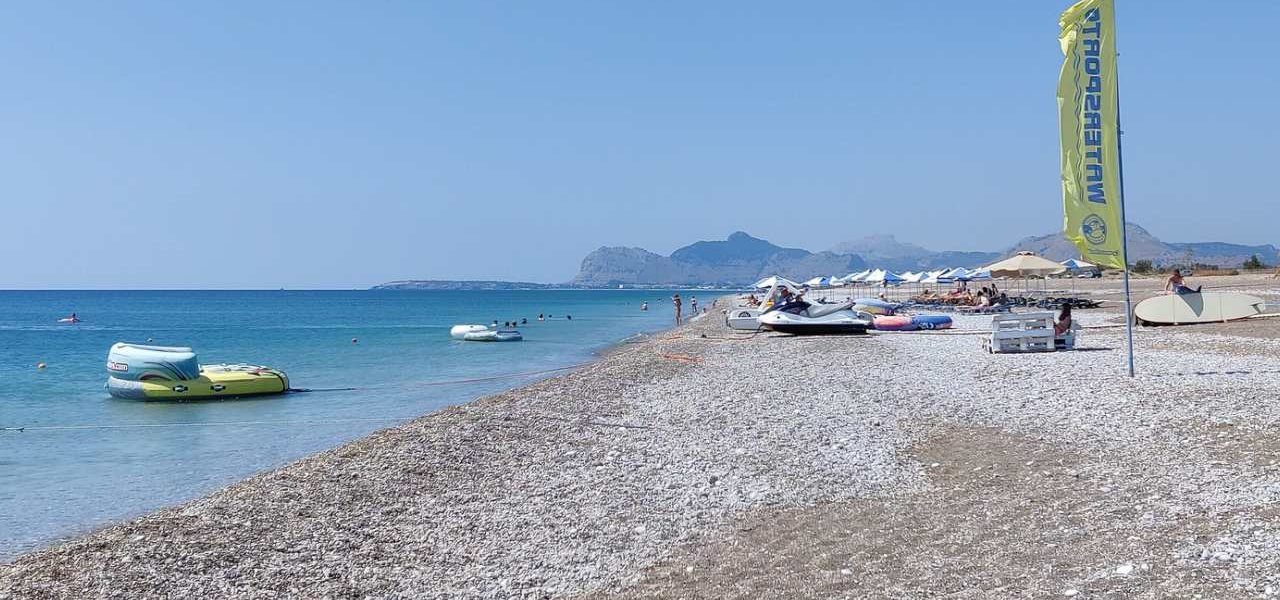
(568, 317)
(1176, 284)
(541, 318)
(644, 306)
(524, 321)
(675, 300)
(693, 303)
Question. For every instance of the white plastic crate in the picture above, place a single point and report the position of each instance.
(1029, 332)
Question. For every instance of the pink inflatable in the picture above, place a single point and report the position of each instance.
(892, 323)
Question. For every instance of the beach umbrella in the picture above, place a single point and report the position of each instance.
(819, 281)
(835, 281)
(856, 277)
(1074, 265)
(1025, 265)
(936, 277)
(883, 276)
(773, 281)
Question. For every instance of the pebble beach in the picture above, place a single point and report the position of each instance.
(708, 463)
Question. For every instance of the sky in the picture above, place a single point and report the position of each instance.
(342, 144)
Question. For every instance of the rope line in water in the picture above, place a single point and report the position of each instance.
(302, 390)
(440, 383)
(201, 424)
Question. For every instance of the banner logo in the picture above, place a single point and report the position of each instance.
(1094, 229)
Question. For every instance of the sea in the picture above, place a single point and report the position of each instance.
(73, 459)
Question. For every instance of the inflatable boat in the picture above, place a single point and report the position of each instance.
(905, 323)
(483, 333)
(138, 372)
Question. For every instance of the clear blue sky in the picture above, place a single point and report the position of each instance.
(316, 144)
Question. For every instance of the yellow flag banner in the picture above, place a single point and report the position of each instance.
(1088, 114)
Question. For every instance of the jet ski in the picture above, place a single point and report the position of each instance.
(799, 317)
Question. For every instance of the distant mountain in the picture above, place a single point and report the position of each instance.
(742, 259)
(738, 260)
(885, 251)
(1144, 246)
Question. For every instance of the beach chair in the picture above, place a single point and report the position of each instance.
(1028, 332)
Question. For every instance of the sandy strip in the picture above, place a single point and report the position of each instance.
(730, 466)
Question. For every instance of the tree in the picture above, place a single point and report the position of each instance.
(1254, 263)
(1143, 266)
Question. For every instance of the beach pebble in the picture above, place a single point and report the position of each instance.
(1124, 569)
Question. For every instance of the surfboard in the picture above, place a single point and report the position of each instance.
(1204, 307)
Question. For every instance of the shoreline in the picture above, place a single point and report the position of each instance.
(739, 466)
(522, 380)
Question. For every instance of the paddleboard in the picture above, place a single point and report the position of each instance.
(1204, 307)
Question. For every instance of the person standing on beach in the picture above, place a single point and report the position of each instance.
(675, 300)
(693, 303)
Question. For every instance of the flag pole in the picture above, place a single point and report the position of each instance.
(1124, 229)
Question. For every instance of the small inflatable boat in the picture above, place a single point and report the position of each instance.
(139, 372)
(904, 323)
(482, 333)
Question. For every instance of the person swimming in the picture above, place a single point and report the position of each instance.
(644, 306)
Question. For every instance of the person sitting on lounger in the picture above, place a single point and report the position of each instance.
(983, 300)
(1177, 285)
(1064, 321)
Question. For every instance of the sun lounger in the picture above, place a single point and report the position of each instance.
(984, 310)
(1029, 332)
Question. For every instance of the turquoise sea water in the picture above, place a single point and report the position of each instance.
(88, 459)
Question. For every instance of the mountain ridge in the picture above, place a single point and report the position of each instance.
(741, 259)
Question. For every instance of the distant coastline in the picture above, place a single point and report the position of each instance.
(474, 285)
